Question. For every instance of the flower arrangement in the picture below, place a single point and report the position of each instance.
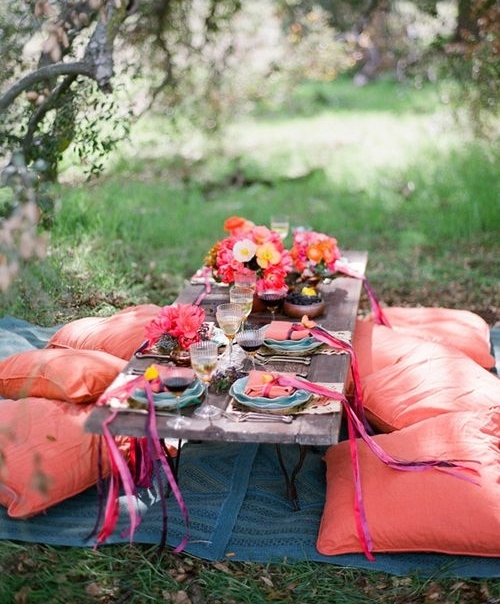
(176, 327)
(250, 248)
(314, 254)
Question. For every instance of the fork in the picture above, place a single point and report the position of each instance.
(264, 359)
(257, 417)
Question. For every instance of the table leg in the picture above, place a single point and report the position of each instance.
(291, 488)
(173, 462)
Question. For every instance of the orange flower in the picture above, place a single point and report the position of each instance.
(237, 225)
(314, 252)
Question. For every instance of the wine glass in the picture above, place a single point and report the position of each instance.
(229, 317)
(272, 298)
(244, 297)
(204, 357)
(177, 380)
(281, 224)
(246, 279)
(250, 340)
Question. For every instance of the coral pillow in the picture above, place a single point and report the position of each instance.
(431, 380)
(120, 335)
(377, 346)
(47, 455)
(419, 511)
(75, 376)
(461, 329)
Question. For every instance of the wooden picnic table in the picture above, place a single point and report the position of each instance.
(342, 296)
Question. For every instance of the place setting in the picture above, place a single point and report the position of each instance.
(259, 393)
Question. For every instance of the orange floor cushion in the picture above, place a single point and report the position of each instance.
(461, 329)
(430, 380)
(120, 335)
(427, 511)
(74, 376)
(46, 454)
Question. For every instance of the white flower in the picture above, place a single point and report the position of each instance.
(244, 250)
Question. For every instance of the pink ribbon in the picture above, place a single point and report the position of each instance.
(150, 451)
(380, 318)
(355, 426)
(207, 288)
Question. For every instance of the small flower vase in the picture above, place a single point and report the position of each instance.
(180, 357)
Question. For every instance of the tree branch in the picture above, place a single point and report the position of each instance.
(49, 71)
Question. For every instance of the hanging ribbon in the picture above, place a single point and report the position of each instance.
(380, 318)
(206, 273)
(320, 334)
(147, 455)
(355, 426)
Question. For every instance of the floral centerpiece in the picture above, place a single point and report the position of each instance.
(250, 248)
(175, 328)
(314, 255)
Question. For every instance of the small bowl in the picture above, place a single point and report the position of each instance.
(297, 311)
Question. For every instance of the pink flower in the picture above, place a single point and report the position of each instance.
(181, 321)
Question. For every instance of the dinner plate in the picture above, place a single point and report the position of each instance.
(283, 346)
(237, 391)
(166, 400)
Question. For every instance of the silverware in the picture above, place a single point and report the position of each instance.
(264, 359)
(252, 416)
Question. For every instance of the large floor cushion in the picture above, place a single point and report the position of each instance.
(419, 511)
(461, 329)
(119, 335)
(431, 380)
(74, 376)
(46, 454)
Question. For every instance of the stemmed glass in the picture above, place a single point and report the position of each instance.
(246, 279)
(204, 356)
(244, 297)
(251, 340)
(229, 317)
(177, 380)
(271, 298)
(281, 224)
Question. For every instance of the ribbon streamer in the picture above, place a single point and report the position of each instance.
(147, 454)
(355, 426)
(207, 288)
(380, 318)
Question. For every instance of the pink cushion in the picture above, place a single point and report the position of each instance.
(47, 455)
(419, 511)
(75, 376)
(377, 346)
(430, 380)
(120, 335)
(461, 329)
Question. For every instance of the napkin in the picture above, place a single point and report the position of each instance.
(282, 330)
(258, 385)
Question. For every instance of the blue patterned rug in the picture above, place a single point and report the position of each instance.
(235, 495)
(237, 511)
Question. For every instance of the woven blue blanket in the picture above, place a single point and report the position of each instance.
(235, 495)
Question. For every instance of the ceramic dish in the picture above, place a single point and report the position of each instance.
(166, 400)
(304, 345)
(237, 391)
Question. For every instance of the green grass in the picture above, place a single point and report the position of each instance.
(409, 186)
(382, 168)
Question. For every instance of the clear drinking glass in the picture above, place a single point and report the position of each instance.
(246, 279)
(251, 340)
(244, 297)
(229, 317)
(204, 357)
(272, 298)
(177, 380)
(281, 224)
